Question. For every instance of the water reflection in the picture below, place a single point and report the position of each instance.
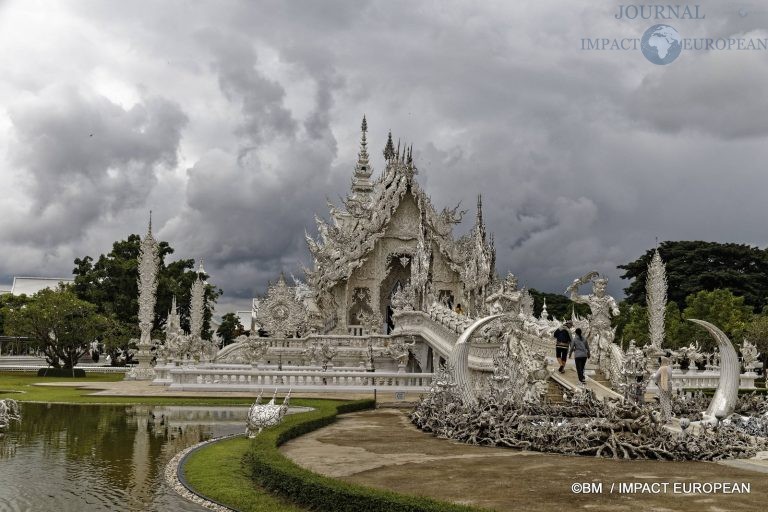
(86, 457)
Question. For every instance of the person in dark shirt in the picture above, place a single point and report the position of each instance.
(562, 342)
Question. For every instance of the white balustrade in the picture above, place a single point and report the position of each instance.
(708, 379)
(190, 377)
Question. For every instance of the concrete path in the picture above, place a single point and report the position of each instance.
(144, 388)
(382, 449)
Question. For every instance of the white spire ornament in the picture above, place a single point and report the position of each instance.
(149, 266)
(656, 299)
(197, 313)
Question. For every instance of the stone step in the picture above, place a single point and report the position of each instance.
(554, 392)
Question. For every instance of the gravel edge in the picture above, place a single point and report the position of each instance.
(175, 479)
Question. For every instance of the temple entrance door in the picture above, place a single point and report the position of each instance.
(390, 311)
(413, 365)
(398, 274)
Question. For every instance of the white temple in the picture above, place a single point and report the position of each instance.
(389, 295)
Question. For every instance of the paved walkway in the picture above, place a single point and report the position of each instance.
(382, 449)
(144, 388)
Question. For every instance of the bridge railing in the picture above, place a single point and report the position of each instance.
(192, 377)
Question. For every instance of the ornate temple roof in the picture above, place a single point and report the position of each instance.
(345, 244)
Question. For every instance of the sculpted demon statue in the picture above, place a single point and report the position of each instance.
(603, 307)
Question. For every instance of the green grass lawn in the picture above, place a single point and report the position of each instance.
(21, 386)
(217, 471)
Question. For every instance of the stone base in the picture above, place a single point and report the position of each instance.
(140, 374)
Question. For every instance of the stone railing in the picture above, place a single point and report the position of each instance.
(192, 378)
(357, 330)
(163, 371)
(442, 339)
(448, 318)
(708, 379)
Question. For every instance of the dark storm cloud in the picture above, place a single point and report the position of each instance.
(260, 99)
(84, 157)
(716, 94)
(247, 213)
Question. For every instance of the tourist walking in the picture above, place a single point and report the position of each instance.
(579, 350)
(562, 343)
(663, 380)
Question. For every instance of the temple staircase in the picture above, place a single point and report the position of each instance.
(594, 381)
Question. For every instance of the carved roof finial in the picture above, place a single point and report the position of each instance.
(149, 228)
(479, 210)
(397, 152)
(362, 186)
(200, 269)
(389, 149)
(363, 168)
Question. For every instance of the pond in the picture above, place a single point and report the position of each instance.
(96, 457)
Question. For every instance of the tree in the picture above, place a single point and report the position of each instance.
(632, 324)
(120, 337)
(11, 302)
(693, 266)
(58, 324)
(558, 305)
(111, 284)
(719, 307)
(757, 333)
(230, 328)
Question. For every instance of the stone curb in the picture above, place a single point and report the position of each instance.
(174, 477)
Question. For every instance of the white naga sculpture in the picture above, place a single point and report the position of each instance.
(261, 416)
(600, 333)
(749, 355)
(691, 352)
(400, 351)
(9, 411)
(724, 400)
(635, 373)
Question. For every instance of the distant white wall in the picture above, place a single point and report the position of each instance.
(31, 285)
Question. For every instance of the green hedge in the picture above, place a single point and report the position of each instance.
(273, 471)
(77, 373)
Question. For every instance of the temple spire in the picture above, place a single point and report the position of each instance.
(361, 179)
(479, 209)
(389, 149)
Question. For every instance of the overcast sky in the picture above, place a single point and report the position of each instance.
(234, 121)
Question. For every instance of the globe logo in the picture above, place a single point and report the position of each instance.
(661, 44)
